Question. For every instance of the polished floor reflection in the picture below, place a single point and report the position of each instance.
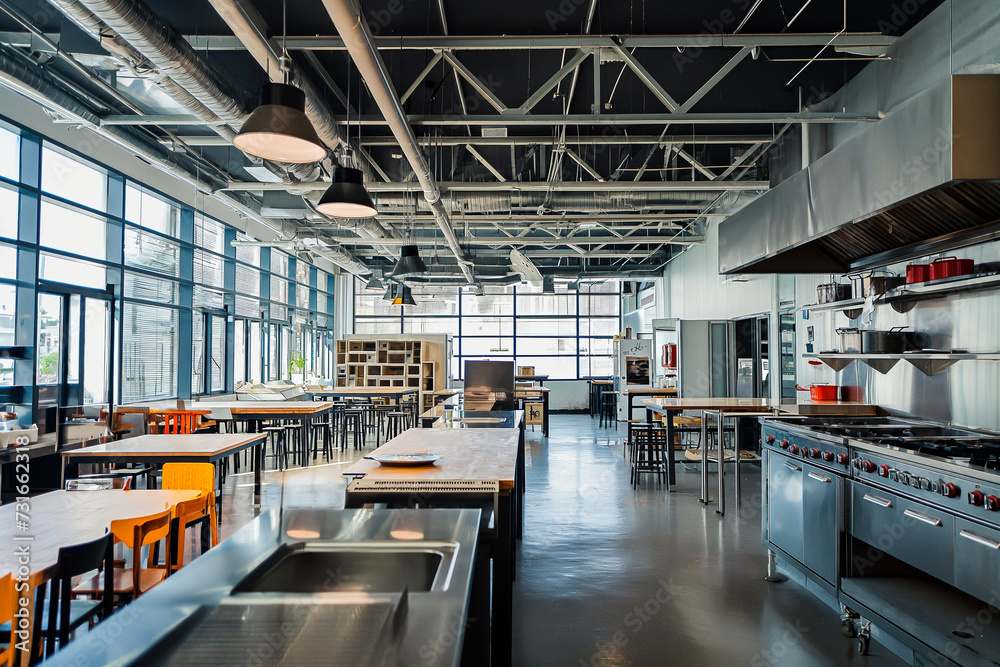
(609, 576)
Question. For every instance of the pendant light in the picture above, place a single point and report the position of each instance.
(390, 294)
(374, 283)
(404, 297)
(279, 129)
(409, 263)
(347, 197)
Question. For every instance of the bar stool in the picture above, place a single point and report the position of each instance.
(351, 420)
(318, 429)
(648, 454)
(293, 443)
(609, 409)
(398, 422)
(276, 438)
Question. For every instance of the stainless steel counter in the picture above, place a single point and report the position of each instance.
(434, 623)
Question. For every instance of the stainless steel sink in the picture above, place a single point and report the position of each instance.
(365, 567)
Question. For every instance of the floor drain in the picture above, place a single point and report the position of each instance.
(962, 634)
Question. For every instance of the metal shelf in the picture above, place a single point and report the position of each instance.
(851, 307)
(928, 363)
(901, 298)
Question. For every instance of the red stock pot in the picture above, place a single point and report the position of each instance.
(917, 273)
(949, 267)
(821, 392)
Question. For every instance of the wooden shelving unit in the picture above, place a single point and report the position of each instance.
(389, 363)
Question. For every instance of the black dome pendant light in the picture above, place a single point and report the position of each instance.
(278, 129)
(410, 263)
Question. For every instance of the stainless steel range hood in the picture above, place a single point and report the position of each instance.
(924, 179)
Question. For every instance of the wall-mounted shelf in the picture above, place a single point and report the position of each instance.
(928, 363)
(904, 297)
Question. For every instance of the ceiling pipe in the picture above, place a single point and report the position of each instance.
(358, 39)
(35, 84)
(207, 92)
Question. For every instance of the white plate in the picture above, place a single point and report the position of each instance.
(404, 459)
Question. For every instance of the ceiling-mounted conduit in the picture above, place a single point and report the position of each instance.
(36, 85)
(358, 39)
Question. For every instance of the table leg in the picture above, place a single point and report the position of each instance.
(736, 464)
(545, 417)
(671, 478)
(304, 450)
(704, 457)
(258, 468)
(503, 592)
(721, 425)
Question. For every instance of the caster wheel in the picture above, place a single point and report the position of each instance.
(863, 641)
(847, 627)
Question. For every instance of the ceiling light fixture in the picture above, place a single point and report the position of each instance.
(374, 283)
(390, 293)
(278, 129)
(404, 297)
(347, 197)
(409, 263)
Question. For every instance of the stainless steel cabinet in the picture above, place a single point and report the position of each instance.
(784, 504)
(977, 558)
(821, 528)
(912, 532)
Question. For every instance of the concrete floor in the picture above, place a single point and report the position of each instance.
(611, 577)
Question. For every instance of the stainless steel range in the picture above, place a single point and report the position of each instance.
(912, 542)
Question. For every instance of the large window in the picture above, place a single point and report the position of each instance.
(566, 334)
(151, 348)
(70, 178)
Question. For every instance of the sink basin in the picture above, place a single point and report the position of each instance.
(365, 567)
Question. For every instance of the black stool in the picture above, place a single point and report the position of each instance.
(648, 454)
(276, 436)
(398, 422)
(609, 409)
(351, 420)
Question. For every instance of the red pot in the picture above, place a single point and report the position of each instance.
(821, 392)
(917, 273)
(949, 267)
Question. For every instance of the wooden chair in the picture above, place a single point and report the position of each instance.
(194, 477)
(61, 614)
(196, 511)
(132, 581)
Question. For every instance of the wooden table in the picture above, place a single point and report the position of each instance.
(160, 449)
(467, 455)
(65, 518)
(364, 392)
(532, 378)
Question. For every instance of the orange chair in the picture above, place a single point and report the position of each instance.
(179, 422)
(196, 477)
(7, 602)
(135, 534)
(188, 513)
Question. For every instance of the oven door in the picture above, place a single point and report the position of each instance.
(917, 534)
(784, 504)
(977, 559)
(821, 526)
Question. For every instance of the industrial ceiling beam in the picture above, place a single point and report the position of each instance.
(844, 41)
(529, 241)
(739, 118)
(559, 186)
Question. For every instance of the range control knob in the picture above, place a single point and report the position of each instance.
(784, 445)
(827, 456)
(794, 449)
(949, 490)
(993, 503)
(814, 453)
(867, 466)
(883, 470)
(842, 459)
(770, 439)
(976, 497)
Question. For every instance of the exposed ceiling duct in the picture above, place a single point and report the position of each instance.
(358, 39)
(924, 179)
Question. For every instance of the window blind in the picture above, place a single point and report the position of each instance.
(217, 365)
(149, 356)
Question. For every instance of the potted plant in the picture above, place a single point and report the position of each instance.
(296, 366)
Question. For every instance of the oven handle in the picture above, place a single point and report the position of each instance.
(976, 537)
(920, 516)
(882, 502)
(820, 478)
(792, 467)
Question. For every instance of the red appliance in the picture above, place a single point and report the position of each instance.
(821, 392)
(670, 355)
(949, 267)
(917, 273)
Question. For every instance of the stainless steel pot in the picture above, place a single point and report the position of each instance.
(850, 340)
(892, 341)
(830, 292)
(874, 283)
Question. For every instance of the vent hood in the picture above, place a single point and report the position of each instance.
(924, 179)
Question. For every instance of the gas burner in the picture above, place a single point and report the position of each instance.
(986, 456)
(980, 452)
